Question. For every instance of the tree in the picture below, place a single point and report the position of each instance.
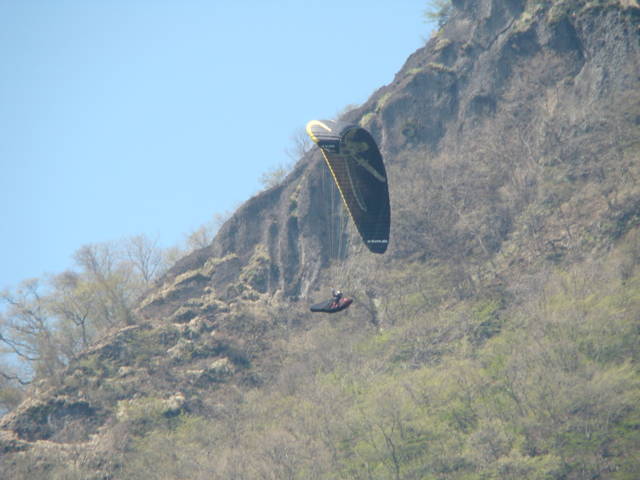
(200, 237)
(11, 389)
(274, 175)
(438, 11)
(113, 280)
(73, 303)
(27, 334)
(145, 258)
(44, 325)
(203, 235)
(300, 145)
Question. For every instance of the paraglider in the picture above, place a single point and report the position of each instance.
(336, 304)
(356, 165)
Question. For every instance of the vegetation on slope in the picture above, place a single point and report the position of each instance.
(543, 386)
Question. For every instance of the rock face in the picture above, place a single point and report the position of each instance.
(535, 78)
(507, 140)
(274, 244)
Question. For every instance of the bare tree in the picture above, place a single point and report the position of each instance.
(275, 175)
(72, 302)
(11, 389)
(26, 332)
(204, 235)
(300, 145)
(145, 257)
(200, 237)
(113, 278)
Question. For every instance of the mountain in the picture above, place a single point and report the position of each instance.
(498, 337)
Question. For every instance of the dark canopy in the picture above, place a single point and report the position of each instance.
(357, 168)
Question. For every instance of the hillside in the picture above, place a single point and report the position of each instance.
(498, 337)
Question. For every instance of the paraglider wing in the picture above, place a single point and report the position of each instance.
(358, 170)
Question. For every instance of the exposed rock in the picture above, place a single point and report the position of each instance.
(10, 443)
(59, 418)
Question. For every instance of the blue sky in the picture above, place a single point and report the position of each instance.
(127, 117)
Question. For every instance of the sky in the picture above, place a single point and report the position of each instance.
(128, 117)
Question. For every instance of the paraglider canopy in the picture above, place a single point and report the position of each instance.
(357, 168)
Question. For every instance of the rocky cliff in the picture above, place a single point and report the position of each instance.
(511, 141)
